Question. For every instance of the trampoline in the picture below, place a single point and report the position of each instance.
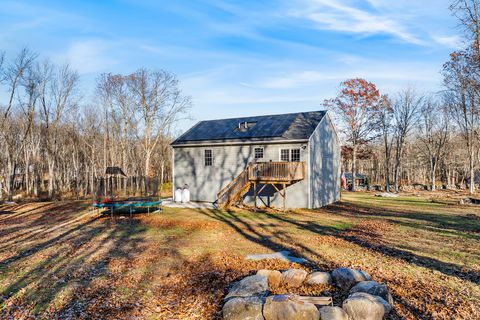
(130, 204)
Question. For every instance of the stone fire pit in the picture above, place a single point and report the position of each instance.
(251, 298)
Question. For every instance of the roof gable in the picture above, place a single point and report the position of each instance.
(291, 126)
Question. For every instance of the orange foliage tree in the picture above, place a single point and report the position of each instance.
(356, 109)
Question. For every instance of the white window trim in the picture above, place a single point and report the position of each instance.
(280, 154)
(263, 153)
(290, 154)
(299, 154)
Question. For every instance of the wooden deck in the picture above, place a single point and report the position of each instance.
(261, 173)
(276, 172)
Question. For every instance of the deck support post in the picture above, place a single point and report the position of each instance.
(255, 196)
(266, 205)
(284, 195)
(260, 196)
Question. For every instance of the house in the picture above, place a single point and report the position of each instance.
(360, 179)
(284, 161)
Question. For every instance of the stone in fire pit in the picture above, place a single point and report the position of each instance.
(294, 277)
(256, 285)
(274, 276)
(333, 313)
(248, 298)
(364, 306)
(244, 308)
(286, 307)
(346, 278)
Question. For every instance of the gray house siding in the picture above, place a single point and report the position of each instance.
(324, 163)
(228, 162)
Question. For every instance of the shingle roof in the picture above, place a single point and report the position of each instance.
(291, 126)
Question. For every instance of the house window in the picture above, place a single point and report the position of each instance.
(295, 157)
(258, 153)
(287, 155)
(284, 155)
(208, 157)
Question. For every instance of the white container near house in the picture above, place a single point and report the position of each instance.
(178, 195)
(185, 195)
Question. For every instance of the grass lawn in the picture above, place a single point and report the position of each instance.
(63, 260)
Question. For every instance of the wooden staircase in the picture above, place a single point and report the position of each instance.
(284, 173)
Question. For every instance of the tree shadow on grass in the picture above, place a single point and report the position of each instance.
(141, 282)
(276, 240)
(280, 240)
(13, 211)
(455, 224)
(39, 218)
(63, 262)
(367, 241)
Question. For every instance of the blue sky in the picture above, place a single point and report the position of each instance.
(242, 57)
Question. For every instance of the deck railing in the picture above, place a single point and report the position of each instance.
(276, 171)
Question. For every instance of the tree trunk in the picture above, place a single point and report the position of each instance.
(354, 166)
(161, 177)
(51, 179)
(472, 171)
(147, 171)
(387, 175)
(396, 175)
(433, 167)
(11, 183)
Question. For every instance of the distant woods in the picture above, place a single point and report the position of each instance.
(411, 137)
(54, 141)
(397, 140)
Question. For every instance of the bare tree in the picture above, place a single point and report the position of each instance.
(406, 114)
(433, 134)
(120, 108)
(462, 97)
(10, 123)
(159, 102)
(385, 118)
(468, 14)
(58, 96)
(462, 79)
(13, 75)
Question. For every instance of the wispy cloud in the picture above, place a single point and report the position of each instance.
(313, 79)
(300, 79)
(449, 41)
(413, 22)
(340, 16)
(91, 55)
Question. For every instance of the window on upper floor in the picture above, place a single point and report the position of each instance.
(258, 153)
(295, 155)
(285, 155)
(208, 157)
